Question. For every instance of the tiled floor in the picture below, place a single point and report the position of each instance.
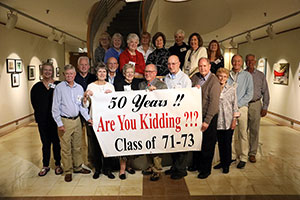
(276, 175)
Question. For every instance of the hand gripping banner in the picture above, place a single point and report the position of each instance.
(144, 122)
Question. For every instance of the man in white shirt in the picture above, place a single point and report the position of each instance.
(177, 79)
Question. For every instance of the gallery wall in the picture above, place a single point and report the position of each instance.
(284, 48)
(32, 50)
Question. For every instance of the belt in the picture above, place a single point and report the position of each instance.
(73, 118)
(254, 101)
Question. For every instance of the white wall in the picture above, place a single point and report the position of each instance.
(285, 47)
(33, 50)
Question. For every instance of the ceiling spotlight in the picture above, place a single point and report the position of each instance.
(249, 38)
(270, 32)
(61, 39)
(11, 20)
(52, 35)
(232, 43)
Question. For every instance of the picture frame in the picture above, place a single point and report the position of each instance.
(262, 65)
(281, 73)
(31, 72)
(19, 66)
(10, 65)
(57, 71)
(15, 80)
(40, 72)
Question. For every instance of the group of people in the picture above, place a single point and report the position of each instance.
(231, 100)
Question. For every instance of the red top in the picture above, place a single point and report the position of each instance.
(138, 59)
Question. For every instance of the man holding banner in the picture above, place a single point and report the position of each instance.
(211, 90)
(152, 83)
(177, 79)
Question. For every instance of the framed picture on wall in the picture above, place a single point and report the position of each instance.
(10, 65)
(40, 72)
(281, 73)
(57, 71)
(31, 72)
(19, 66)
(15, 80)
(262, 65)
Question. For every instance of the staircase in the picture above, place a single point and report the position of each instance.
(126, 21)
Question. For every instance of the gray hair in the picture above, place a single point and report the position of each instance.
(69, 66)
(126, 67)
(250, 54)
(101, 65)
(235, 56)
(180, 31)
(132, 36)
(204, 58)
(81, 58)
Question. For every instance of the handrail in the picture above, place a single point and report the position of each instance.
(15, 121)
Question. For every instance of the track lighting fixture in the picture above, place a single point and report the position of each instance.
(12, 19)
(249, 38)
(232, 43)
(51, 37)
(61, 39)
(270, 32)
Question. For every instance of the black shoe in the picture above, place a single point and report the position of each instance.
(218, 166)
(225, 170)
(233, 160)
(169, 171)
(176, 175)
(241, 165)
(147, 171)
(192, 169)
(122, 176)
(96, 175)
(203, 175)
(109, 174)
(130, 170)
(155, 176)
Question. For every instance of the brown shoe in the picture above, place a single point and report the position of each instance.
(68, 177)
(83, 171)
(252, 159)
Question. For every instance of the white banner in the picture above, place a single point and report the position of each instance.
(144, 122)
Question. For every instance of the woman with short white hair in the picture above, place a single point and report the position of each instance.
(132, 56)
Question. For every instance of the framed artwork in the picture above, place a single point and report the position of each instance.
(15, 80)
(281, 73)
(19, 66)
(57, 71)
(10, 65)
(31, 72)
(262, 65)
(40, 72)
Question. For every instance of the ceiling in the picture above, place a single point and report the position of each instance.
(220, 18)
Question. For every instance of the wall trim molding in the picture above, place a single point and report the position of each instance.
(285, 118)
(16, 121)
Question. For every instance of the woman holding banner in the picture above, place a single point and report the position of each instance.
(99, 86)
(127, 84)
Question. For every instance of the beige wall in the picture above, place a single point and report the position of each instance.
(15, 102)
(284, 48)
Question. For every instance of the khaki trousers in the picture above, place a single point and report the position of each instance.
(253, 126)
(70, 142)
(241, 136)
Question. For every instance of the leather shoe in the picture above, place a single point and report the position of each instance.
(109, 175)
(225, 170)
(203, 175)
(147, 171)
(155, 176)
(83, 171)
(218, 166)
(68, 177)
(241, 165)
(192, 169)
(122, 176)
(252, 159)
(130, 170)
(96, 175)
(169, 171)
(176, 175)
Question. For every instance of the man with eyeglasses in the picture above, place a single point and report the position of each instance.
(152, 83)
(177, 79)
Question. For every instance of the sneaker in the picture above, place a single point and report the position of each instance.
(44, 171)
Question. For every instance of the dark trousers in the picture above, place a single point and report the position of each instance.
(179, 162)
(224, 143)
(202, 160)
(97, 158)
(49, 135)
